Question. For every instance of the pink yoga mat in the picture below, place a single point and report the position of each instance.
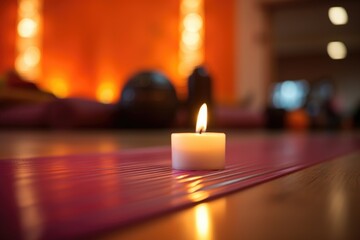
(81, 195)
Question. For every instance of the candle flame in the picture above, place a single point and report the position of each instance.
(202, 119)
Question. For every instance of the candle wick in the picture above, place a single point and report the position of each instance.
(201, 130)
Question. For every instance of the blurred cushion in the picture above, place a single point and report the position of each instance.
(78, 113)
(59, 114)
(23, 116)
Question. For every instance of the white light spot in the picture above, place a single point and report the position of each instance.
(193, 22)
(336, 50)
(338, 15)
(27, 27)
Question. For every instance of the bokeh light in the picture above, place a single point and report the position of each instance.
(290, 95)
(190, 5)
(31, 56)
(106, 92)
(28, 59)
(27, 27)
(28, 8)
(191, 39)
(27, 62)
(59, 87)
(192, 32)
(193, 22)
(338, 15)
(336, 50)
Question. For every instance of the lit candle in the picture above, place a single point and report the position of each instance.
(200, 150)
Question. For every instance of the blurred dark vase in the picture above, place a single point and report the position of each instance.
(148, 100)
(199, 92)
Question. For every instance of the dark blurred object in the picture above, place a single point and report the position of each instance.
(321, 105)
(78, 113)
(67, 113)
(199, 92)
(15, 90)
(356, 117)
(287, 100)
(23, 116)
(14, 80)
(237, 117)
(11, 96)
(274, 118)
(332, 119)
(148, 100)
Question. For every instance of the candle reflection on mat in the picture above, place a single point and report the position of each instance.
(208, 218)
(30, 216)
(203, 222)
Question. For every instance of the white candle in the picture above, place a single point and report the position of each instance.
(200, 150)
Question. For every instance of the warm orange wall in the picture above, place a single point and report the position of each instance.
(86, 41)
(220, 47)
(8, 18)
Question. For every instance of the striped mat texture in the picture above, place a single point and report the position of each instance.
(81, 195)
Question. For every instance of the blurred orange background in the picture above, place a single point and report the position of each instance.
(94, 44)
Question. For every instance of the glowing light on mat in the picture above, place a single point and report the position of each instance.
(26, 197)
(27, 62)
(191, 53)
(338, 15)
(336, 50)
